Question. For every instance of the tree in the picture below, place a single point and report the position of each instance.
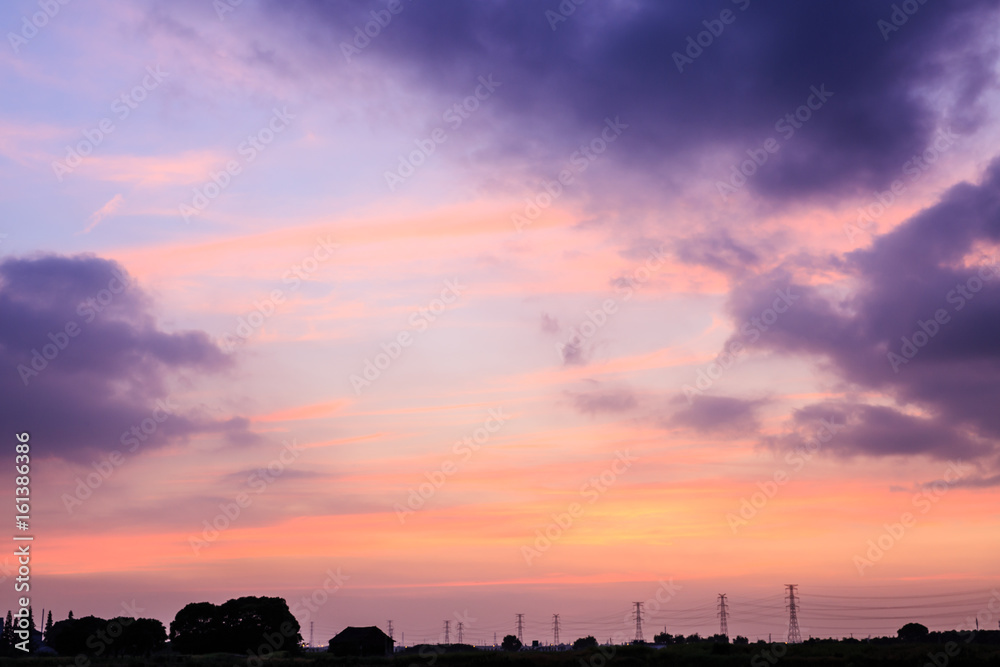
(48, 625)
(693, 639)
(741, 640)
(8, 631)
(236, 626)
(140, 636)
(585, 642)
(511, 643)
(70, 617)
(194, 628)
(663, 638)
(70, 637)
(913, 632)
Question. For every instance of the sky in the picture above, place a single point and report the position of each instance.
(432, 311)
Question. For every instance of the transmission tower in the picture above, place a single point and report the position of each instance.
(555, 629)
(310, 634)
(723, 616)
(520, 628)
(447, 632)
(460, 624)
(638, 621)
(794, 637)
(390, 630)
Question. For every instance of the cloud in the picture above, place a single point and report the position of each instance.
(97, 216)
(613, 60)
(878, 430)
(612, 400)
(920, 326)
(550, 325)
(84, 361)
(715, 414)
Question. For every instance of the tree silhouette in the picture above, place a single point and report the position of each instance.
(236, 626)
(48, 625)
(511, 643)
(8, 631)
(913, 632)
(585, 642)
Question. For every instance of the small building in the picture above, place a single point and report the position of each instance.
(365, 641)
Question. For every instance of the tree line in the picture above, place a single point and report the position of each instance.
(252, 625)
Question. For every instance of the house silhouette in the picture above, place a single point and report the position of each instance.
(364, 641)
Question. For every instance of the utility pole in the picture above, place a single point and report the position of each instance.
(723, 614)
(638, 621)
(794, 636)
(555, 629)
(447, 632)
(520, 628)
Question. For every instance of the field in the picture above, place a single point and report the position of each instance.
(810, 654)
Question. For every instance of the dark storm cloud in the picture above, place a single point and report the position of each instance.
(82, 360)
(617, 60)
(922, 326)
(714, 414)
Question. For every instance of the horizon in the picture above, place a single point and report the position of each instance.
(434, 309)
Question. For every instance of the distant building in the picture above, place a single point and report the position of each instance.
(361, 642)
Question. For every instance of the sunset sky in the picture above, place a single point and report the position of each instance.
(455, 309)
